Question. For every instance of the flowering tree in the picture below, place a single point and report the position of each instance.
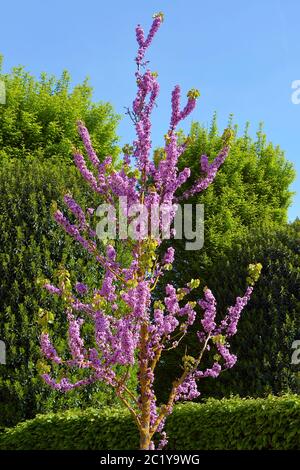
(128, 325)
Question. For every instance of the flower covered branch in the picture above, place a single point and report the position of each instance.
(128, 326)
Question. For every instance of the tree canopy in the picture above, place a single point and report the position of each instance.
(39, 117)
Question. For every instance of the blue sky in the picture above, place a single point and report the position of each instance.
(242, 55)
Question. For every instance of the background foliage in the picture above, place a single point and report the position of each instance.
(37, 132)
(269, 324)
(251, 190)
(245, 222)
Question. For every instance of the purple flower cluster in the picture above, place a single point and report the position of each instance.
(145, 43)
(81, 288)
(52, 289)
(210, 171)
(169, 256)
(77, 211)
(85, 137)
(76, 344)
(48, 349)
(208, 304)
(229, 324)
(116, 339)
(188, 390)
(178, 115)
(86, 173)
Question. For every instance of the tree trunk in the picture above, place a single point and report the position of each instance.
(144, 439)
(145, 390)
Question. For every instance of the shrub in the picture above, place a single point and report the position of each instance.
(229, 424)
(74, 430)
(271, 323)
(237, 424)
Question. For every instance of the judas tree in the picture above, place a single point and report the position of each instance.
(121, 323)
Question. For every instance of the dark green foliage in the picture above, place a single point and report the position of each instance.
(272, 423)
(39, 117)
(271, 321)
(268, 325)
(33, 246)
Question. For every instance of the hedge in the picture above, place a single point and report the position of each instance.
(32, 246)
(37, 135)
(228, 424)
(237, 424)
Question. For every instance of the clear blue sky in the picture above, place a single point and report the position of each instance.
(242, 55)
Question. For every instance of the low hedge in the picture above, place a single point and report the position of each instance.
(229, 424)
(90, 429)
(237, 424)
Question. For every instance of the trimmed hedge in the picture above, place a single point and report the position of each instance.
(108, 428)
(237, 424)
(229, 424)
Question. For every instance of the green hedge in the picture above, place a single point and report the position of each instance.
(37, 135)
(39, 117)
(272, 423)
(237, 424)
(32, 245)
(108, 428)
